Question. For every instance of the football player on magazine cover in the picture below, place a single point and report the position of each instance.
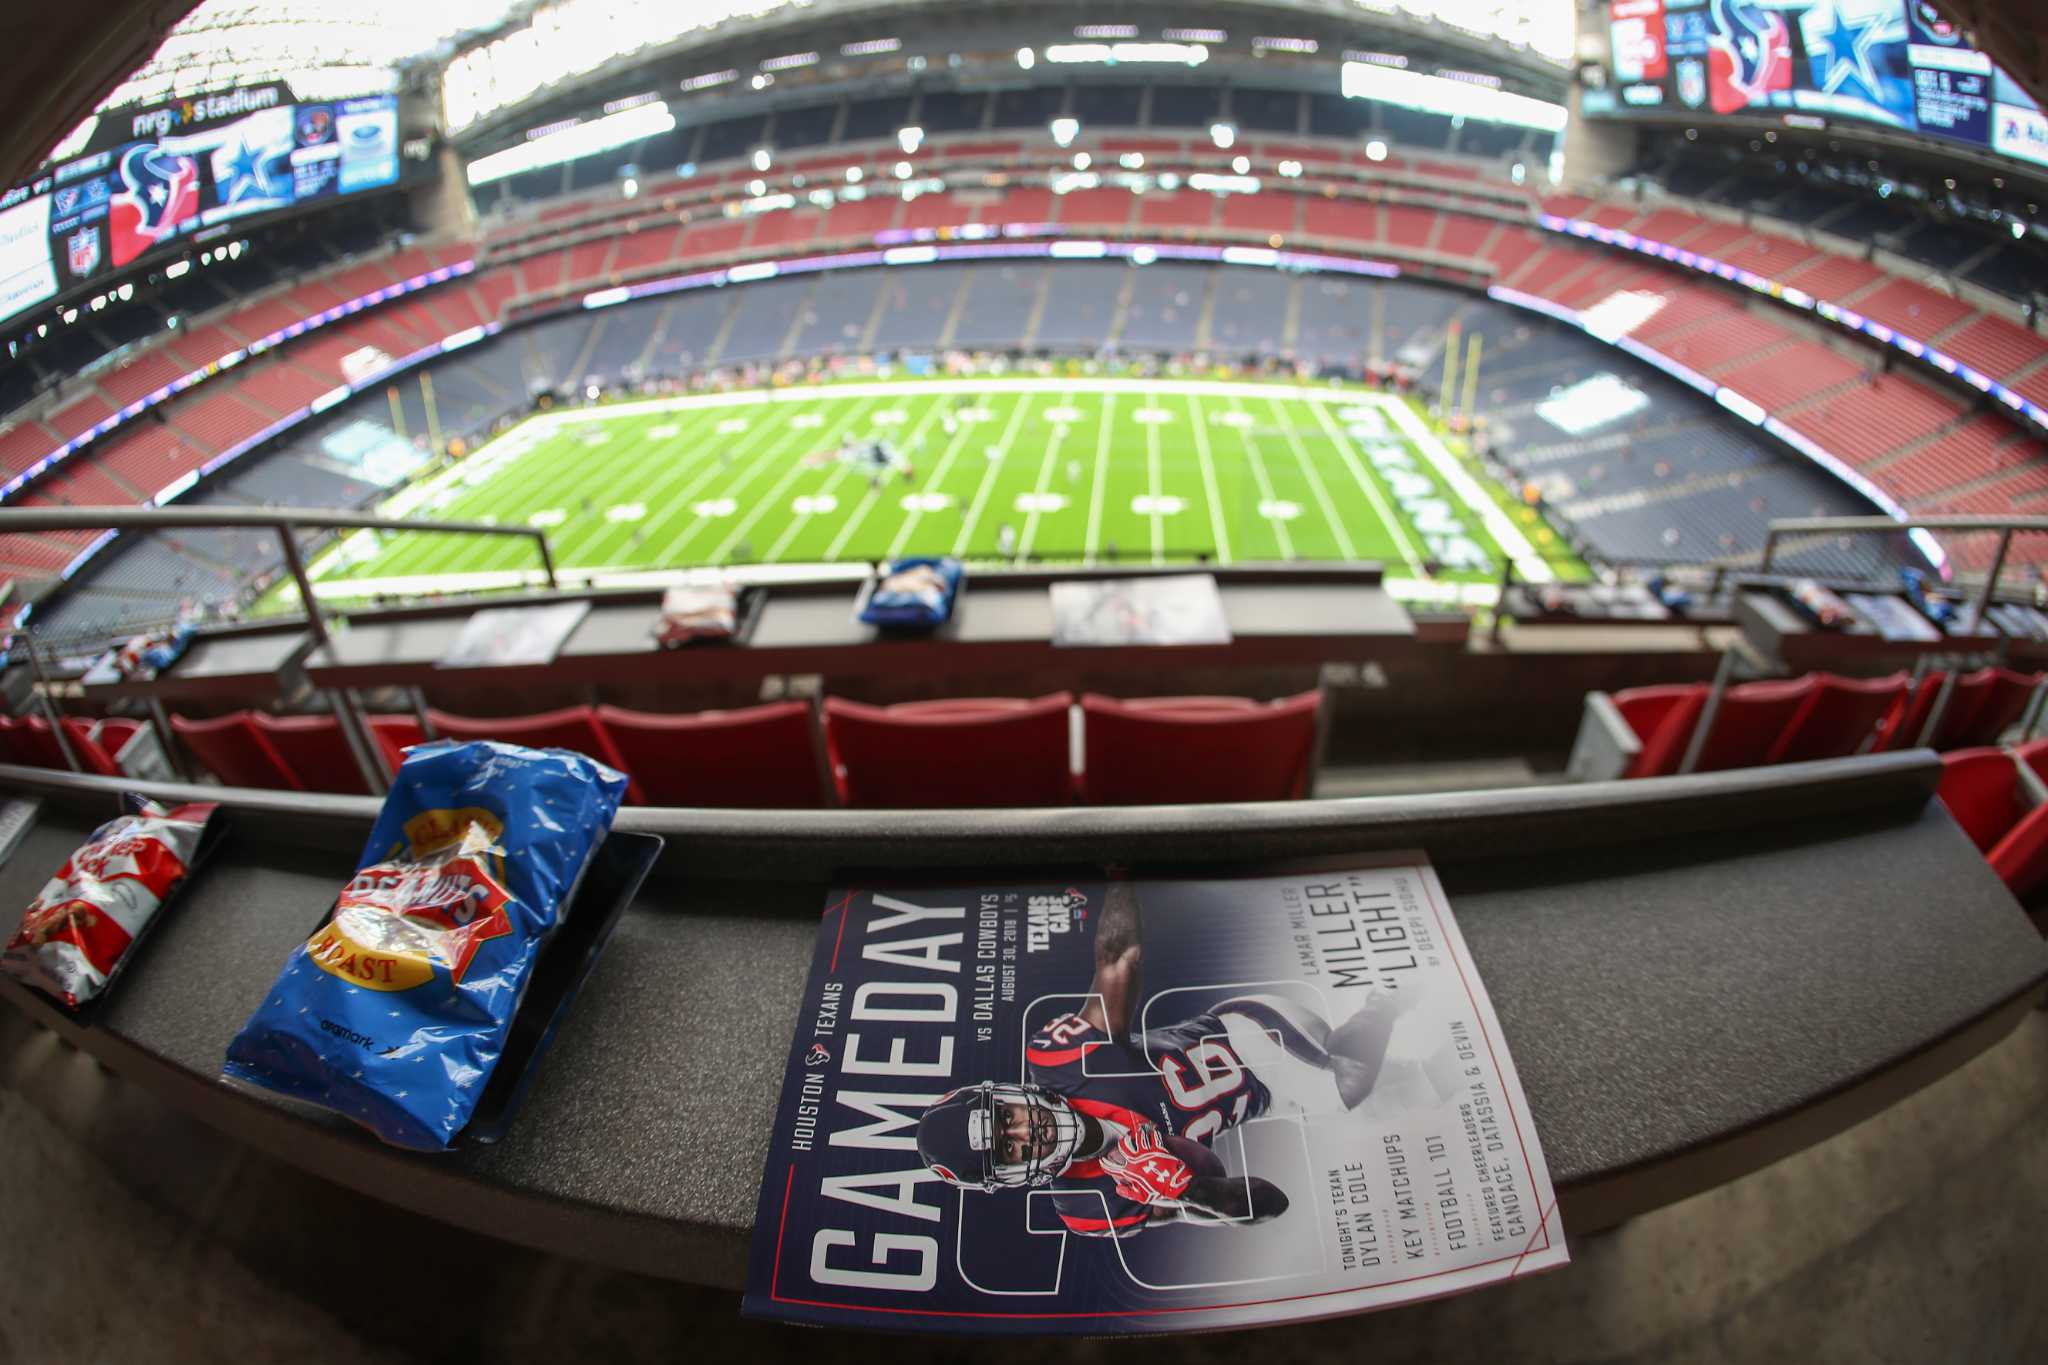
(1119, 1124)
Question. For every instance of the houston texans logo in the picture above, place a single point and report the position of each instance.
(159, 190)
(818, 1056)
(1748, 56)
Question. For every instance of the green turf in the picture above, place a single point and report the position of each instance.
(1167, 472)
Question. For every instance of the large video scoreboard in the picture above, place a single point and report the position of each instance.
(152, 175)
(1895, 63)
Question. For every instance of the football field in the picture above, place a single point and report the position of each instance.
(1058, 470)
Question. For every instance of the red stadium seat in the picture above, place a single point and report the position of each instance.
(13, 744)
(760, 757)
(2021, 857)
(236, 752)
(313, 749)
(977, 752)
(1842, 717)
(1751, 718)
(114, 734)
(1152, 751)
(39, 748)
(2002, 697)
(1662, 718)
(1981, 788)
(572, 727)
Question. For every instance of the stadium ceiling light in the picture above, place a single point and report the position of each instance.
(2019, 229)
(763, 159)
(629, 187)
(1224, 135)
(1375, 150)
(910, 139)
(1241, 164)
(1065, 130)
(177, 269)
(1290, 169)
(762, 80)
(1026, 58)
(903, 170)
(757, 188)
(1132, 161)
(1082, 161)
(853, 175)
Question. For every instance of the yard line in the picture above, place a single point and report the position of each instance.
(1052, 453)
(988, 477)
(902, 536)
(768, 500)
(1315, 481)
(1209, 481)
(1152, 481)
(803, 518)
(679, 502)
(1102, 429)
(658, 494)
(1267, 493)
(1366, 486)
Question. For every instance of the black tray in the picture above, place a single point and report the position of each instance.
(210, 843)
(603, 890)
(608, 886)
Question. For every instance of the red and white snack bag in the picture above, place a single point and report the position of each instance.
(96, 906)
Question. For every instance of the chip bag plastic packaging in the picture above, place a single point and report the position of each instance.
(395, 1011)
(88, 916)
(914, 594)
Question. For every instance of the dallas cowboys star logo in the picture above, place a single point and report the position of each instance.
(1848, 43)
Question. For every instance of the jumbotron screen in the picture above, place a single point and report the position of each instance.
(152, 175)
(1896, 63)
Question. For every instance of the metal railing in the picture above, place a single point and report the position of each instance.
(285, 521)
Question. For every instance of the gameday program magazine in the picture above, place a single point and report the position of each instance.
(1145, 1106)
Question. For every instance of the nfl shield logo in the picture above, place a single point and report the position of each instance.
(1692, 83)
(85, 250)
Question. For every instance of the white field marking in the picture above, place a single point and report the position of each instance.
(1209, 486)
(773, 497)
(1034, 503)
(1265, 483)
(1530, 565)
(1232, 418)
(988, 477)
(626, 511)
(974, 415)
(1102, 425)
(1315, 482)
(1152, 483)
(817, 504)
(672, 493)
(867, 504)
(1279, 509)
(915, 503)
(1152, 416)
(732, 426)
(664, 431)
(1371, 418)
(893, 417)
(549, 516)
(778, 449)
(596, 438)
(805, 421)
(1157, 505)
(715, 507)
(1371, 491)
(954, 446)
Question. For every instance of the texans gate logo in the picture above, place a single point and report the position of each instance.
(818, 1056)
(1748, 56)
(159, 190)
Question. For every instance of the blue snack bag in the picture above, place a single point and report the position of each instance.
(396, 1010)
(914, 593)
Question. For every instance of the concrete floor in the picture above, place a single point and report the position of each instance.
(135, 1235)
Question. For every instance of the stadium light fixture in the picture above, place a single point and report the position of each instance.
(853, 175)
(1026, 58)
(757, 188)
(763, 159)
(910, 139)
(1224, 135)
(2019, 229)
(1064, 131)
(1132, 161)
(1241, 164)
(1082, 161)
(762, 80)
(177, 269)
(1375, 150)
(1290, 169)
(629, 187)
(903, 170)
